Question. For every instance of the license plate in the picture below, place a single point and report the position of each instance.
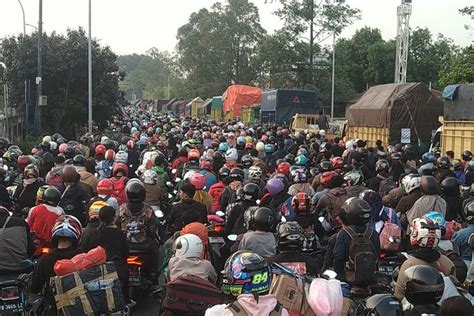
(15, 307)
(216, 240)
(134, 280)
(386, 269)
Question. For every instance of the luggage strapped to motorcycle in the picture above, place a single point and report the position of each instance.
(237, 309)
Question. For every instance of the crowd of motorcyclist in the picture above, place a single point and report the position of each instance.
(306, 202)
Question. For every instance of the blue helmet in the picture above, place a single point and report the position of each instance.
(437, 218)
(223, 147)
(428, 157)
(301, 160)
(269, 148)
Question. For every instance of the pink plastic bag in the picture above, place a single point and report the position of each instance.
(325, 297)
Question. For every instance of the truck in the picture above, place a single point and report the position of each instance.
(279, 106)
(216, 108)
(308, 123)
(404, 113)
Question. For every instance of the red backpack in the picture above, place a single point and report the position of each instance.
(54, 177)
(390, 235)
(119, 189)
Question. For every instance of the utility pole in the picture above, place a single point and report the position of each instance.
(403, 38)
(333, 72)
(23, 11)
(90, 68)
(311, 42)
(39, 79)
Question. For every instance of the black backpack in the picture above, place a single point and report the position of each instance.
(362, 264)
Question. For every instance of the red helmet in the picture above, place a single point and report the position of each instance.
(110, 154)
(337, 163)
(326, 178)
(285, 132)
(284, 168)
(301, 203)
(100, 149)
(120, 166)
(23, 161)
(194, 154)
(248, 146)
(31, 171)
(62, 148)
(198, 180)
(206, 165)
(105, 187)
(130, 144)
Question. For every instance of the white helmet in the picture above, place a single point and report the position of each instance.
(322, 132)
(140, 170)
(260, 147)
(121, 156)
(53, 145)
(424, 233)
(413, 184)
(188, 246)
(231, 155)
(255, 172)
(103, 139)
(350, 144)
(150, 177)
(188, 174)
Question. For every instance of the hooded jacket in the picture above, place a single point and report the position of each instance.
(426, 204)
(41, 220)
(88, 181)
(73, 201)
(216, 191)
(332, 203)
(138, 226)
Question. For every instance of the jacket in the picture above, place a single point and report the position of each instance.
(301, 187)
(183, 209)
(90, 236)
(393, 197)
(88, 181)
(138, 226)
(216, 191)
(26, 196)
(41, 220)
(331, 203)
(179, 267)
(262, 243)
(407, 201)
(16, 244)
(205, 198)
(74, 201)
(426, 204)
(155, 194)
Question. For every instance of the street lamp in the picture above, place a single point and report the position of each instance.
(23, 11)
(30, 25)
(90, 69)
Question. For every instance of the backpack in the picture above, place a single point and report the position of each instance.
(191, 294)
(237, 309)
(362, 264)
(336, 202)
(119, 189)
(390, 235)
(54, 177)
(460, 266)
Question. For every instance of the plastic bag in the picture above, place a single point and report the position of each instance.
(325, 297)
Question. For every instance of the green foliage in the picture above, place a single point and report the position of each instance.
(64, 78)
(461, 69)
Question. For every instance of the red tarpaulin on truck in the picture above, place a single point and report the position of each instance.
(237, 96)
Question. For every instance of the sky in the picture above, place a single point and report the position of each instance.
(134, 26)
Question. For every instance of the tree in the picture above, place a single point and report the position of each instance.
(461, 69)
(217, 47)
(65, 78)
(468, 11)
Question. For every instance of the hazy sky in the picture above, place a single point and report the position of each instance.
(133, 26)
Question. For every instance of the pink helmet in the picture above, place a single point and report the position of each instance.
(62, 148)
(198, 180)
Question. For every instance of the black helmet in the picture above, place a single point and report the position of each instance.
(109, 144)
(324, 166)
(45, 145)
(135, 191)
(250, 192)
(248, 217)
(290, 236)
(383, 305)
(450, 186)
(237, 174)
(469, 212)
(466, 155)
(263, 219)
(182, 152)
(382, 165)
(247, 161)
(79, 160)
(218, 156)
(69, 153)
(355, 211)
(224, 172)
(443, 163)
(51, 196)
(290, 158)
(160, 159)
(429, 185)
(424, 285)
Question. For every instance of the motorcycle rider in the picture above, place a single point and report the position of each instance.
(88, 181)
(259, 238)
(73, 199)
(105, 190)
(201, 196)
(25, 193)
(216, 189)
(206, 170)
(430, 201)
(236, 177)
(235, 218)
(450, 193)
(156, 194)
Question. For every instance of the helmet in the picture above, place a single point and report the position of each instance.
(469, 212)
(326, 178)
(79, 161)
(301, 160)
(337, 163)
(69, 152)
(470, 166)
(250, 192)
(426, 169)
(224, 172)
(301, 203)
(231, 155)
(62, 148)
(150, 177)
(424, 285)
(194, 154)
(325, 166)
(275, 186)
(94, 209)
(99, 149)
(247, 161)
(437, 218)
(67, 226)
(31, 171)
(466, 155)
(223, 147)
(290, 236)
(197, 229)
(130, 144)
(443, 163)
(249, 146)
(299, 176)
(450, 186)
(457, 165)
(105, 187)
(237, 174)
(23, 161)
(260, 147)
(188, 246)
(48, 195)
(406, 182)
(255, 172)
(428, 157)
(284, 168)
(302, 151)
(241, 140)
(383, 305)
(198, 180)
(121, 156)
(355, 211)
(424, 233)
(429, 185)
(290, 158)
(135, 191)
(110, 154)
(243, 269)
(382, 165)
(263, 219)
(413, 184)
(269, 148)
(354, 177)
(120, 167)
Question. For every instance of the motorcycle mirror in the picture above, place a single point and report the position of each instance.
(169, 184)
(232, 237)
(321, 219)
(283, 219)
(330, 274)
(159, 213)
(170, 196)
(220, 213)
(258, 202)
(173, 171)
(177, 179)
(96, 175)
(5, 167)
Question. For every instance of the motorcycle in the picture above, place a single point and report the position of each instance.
(13, 297)
(216, 239)
(137, 280)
